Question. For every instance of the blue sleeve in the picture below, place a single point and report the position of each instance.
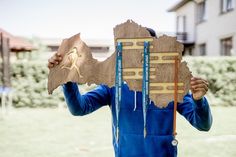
(196, 112)
(80, 105)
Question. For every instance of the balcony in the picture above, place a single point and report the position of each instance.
(182, 36)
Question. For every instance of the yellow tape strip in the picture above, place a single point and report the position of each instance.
(134, 42)
(165, 85)
(160, 58)
(165, 90)
(163, 54)
(136, 74)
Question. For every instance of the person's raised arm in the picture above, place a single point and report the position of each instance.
(195, 107)
(81, 104)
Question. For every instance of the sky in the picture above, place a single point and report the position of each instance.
(94, 19)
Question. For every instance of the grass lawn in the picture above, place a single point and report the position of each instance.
(54, 132)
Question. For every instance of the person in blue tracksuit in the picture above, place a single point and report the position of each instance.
(159, 122)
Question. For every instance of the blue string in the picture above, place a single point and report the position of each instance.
(118, 84)
(145, 85)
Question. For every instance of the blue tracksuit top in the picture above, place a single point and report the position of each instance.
(159, 124)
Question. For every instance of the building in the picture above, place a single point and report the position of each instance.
(17, 44)
(8, 44)
(206, 27)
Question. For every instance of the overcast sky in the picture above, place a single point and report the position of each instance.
(93, 18)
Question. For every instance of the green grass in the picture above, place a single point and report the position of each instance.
(53, 132)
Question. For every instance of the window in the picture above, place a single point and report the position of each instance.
(227, 5)
(181, 23)
(201, 11)
(202, 49)
(181, 28)
(226, 46)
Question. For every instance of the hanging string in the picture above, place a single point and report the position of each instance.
(118, 84)
(145, 84)
(135, 102)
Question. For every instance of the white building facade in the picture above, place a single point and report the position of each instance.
(206, 27)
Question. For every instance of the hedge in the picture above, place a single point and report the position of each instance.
(29, 81)
(221, 75)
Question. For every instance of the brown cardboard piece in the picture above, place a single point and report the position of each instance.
(79, 66)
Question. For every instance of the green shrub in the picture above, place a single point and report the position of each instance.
(221, 75)
(29, 81)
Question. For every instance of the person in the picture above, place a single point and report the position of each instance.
(159, 122)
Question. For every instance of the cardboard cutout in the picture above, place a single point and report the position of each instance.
(79, 66)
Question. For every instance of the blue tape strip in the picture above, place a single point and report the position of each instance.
(145, 85)
(118, 85)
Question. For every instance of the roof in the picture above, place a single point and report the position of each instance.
(178, 5)
(17, 44)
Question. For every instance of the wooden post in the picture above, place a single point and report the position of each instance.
(1, 60)
(5, 55)
(5, 74)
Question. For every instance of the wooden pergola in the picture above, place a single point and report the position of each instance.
(5, 61)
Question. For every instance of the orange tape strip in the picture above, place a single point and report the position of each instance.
(175, 93)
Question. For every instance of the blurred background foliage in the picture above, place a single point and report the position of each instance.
(221, 75)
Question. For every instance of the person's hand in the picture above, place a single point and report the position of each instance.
(54, 60)
(199, 87)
